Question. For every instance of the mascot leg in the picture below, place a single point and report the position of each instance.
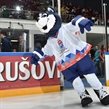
(98, 88)
(84, 95)
(71, 74)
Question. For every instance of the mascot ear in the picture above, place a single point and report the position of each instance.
(51, 9)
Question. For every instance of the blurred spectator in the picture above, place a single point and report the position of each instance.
(78, 10)
(73, 10)
(22, 15)
(14, 50)
(63, 9)
(83, 11)
(102, 50)
(28, 14)
(70, 6)
(97, 60)
(5, 12)
(92, 52)
(6, 44)
(38, 46)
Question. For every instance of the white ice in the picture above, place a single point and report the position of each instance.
(66, 99)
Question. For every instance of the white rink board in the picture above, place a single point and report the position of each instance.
(107, 65)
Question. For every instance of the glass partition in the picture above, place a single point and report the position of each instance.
(97, 41)
(19, 39)
(40, 38)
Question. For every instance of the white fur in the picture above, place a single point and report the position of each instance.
(43, 21)
(93, 81)
(78, 85)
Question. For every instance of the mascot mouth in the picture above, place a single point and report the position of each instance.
(45, 27)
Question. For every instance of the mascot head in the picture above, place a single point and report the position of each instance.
(49, 22)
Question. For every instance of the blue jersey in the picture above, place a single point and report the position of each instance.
(97, 56)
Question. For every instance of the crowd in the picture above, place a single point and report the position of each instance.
(68, 11)
(97, 55)
(28, 9)
(31, 8)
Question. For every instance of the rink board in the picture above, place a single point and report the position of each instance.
(107, 67)
(29, 91)
(19, 77)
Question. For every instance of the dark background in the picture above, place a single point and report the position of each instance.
(93, 4)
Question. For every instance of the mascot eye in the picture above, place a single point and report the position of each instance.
(44, 15)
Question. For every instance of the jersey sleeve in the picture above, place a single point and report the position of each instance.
(47, 50)
(72, 28)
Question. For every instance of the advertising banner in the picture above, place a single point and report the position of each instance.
(16, 72)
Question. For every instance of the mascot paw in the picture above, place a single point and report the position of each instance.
(82, 23)
(103, 96)
(85, 99)
(36, 56)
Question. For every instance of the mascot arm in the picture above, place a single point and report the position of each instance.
(82, 23)
(36, 56)
(40, 54)
(47, 50)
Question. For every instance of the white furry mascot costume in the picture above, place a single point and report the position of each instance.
(71, 53)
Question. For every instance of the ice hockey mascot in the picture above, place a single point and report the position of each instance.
(71, 53)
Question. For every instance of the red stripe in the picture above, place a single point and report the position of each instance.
(72, 62)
